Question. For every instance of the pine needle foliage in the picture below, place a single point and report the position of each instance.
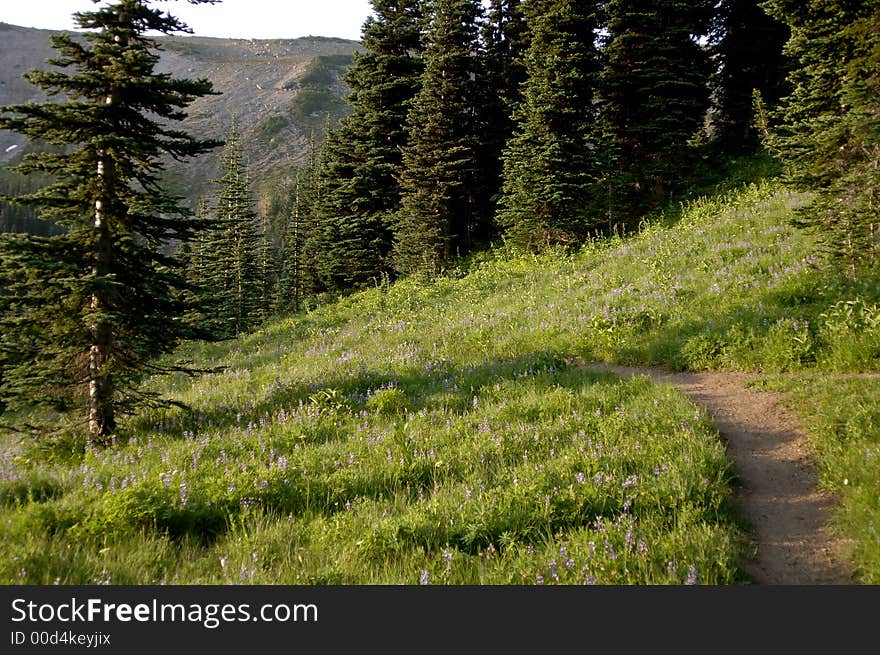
(552, 163)
(363, 155)
(655, 88)
(747, 46)
(87, 312)
(438, 215)
(831, 123)
(233, 279)
(298, 276)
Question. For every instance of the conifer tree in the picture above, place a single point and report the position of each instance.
(301, 241)
(747, 45)
(831, 122)
(293, 280)
(551, 164)
(655, 95)
(90, 309)
(195, 257)
(233, 277)
(363, 155)
(438, 217)
(504, 43)
(267, 278)
(506, 38)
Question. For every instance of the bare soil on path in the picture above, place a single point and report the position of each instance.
(777, 482)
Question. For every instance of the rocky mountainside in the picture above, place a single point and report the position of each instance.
(279, 91)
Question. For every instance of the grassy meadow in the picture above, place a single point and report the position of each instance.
(441, 431)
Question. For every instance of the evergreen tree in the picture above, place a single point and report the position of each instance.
(363, 156)
(195, 257)
(504, 41)
(89, 310)
(747, 44)
(655, 95)
(266, 272)
(551, 164)
(438, 217)
(233, 277)
(831, 121)
(298, 276)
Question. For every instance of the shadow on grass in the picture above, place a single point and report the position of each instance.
(149, 506)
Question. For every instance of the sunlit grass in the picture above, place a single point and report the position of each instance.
(441, 431)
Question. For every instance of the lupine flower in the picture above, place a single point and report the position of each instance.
(425, 577)
(609, 550)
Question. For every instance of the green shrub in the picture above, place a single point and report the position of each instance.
(388, 401)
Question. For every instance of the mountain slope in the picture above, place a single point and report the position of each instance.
(278, 91)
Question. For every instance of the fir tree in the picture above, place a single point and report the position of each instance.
(195, 257)
(831, 122)
(89, 310)
(551, 164)
(363, 155)
(504, 41)
(655, 96)
(438, 216)
(298, 275)
(266, 271)
(747, 45)
(233, 276)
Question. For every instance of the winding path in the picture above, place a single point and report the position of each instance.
(777, 491)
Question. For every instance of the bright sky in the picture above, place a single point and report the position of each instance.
(254, 19)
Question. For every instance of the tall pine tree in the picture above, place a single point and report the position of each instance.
(363, 155)
(233, 287)
(438, 214)
(747, 46)
(655, 96)
(89, 310)
(831, 122)
(504, 42)
(298, 279)
(551, 165)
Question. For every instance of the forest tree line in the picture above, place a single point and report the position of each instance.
(534, 122)
(544, 122)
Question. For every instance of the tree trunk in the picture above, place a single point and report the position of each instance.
(102, 414)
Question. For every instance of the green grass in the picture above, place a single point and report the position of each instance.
(439, 430)
(498, 473)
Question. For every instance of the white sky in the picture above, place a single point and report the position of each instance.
(255, 19)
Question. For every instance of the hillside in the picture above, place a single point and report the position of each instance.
(443, 432)
(278, 90)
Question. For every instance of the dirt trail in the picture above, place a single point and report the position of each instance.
(777, 491)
